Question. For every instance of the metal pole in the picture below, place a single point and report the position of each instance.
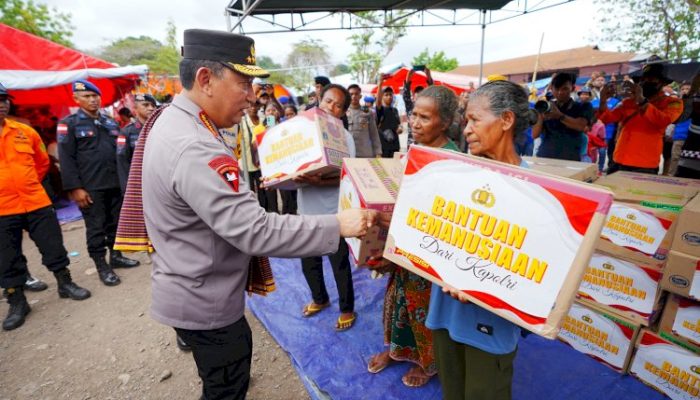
(483, 37)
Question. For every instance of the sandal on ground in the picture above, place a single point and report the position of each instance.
(415, 377)
(345, 324)
(313, 309)
(378, 362)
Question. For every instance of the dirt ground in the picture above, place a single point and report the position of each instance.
(107, 347)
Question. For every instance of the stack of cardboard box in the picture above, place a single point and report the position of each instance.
(649, 243)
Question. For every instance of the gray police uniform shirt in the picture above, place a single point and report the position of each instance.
(362, 125)
(204, 227)
(316, 200)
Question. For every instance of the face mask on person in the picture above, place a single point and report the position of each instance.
(649, 89)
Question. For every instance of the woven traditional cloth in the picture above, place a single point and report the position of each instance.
(132, 234)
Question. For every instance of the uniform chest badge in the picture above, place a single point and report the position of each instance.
(227, 168)
(61, 132)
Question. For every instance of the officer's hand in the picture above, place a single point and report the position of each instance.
(455, 294)
(309, 179)
(81, 197)
(355, 222)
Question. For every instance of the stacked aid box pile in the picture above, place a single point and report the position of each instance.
(617, 318)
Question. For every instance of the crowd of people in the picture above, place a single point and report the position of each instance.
(188, 177)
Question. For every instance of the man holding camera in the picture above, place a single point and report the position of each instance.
(562, 122)
(643, 118)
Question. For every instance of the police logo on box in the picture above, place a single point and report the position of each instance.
(227, 168)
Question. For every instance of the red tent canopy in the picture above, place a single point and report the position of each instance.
(396, 80)
(38, 71)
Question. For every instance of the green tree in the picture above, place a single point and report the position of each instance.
(309, 57)
(667, 28)
(131, 50)
(437, 62)
(369, 52)
(38, 20)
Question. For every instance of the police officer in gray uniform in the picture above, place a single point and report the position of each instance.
(362, 125)
(145, 104)
(203, 226)
(87, 143)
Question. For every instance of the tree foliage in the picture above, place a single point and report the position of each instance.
(369, 52)
(160, 58)
(38, 20)
(309, 57)
(667, 28)
(437, 62)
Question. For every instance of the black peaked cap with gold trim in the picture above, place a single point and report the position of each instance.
(235, 51)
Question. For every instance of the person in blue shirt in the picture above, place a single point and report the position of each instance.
(610, 131)
(474, 347)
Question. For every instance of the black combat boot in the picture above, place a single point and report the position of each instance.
(68, 288)
(19, 308)
(107, 276)
(117, 260)
(34, 285)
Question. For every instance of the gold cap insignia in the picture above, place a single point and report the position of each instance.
(79, 86)
(251, 57)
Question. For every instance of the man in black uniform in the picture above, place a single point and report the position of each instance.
(87, 148)
(145, 104)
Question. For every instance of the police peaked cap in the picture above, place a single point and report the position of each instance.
(235, 51)
(146, 98)
(85, 86)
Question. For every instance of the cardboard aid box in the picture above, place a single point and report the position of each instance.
(682, 275)
(649, 189)
(622, 287)
(668, 366)
(371, 183)
(681, 317)
(576, 170)
(687, 235)
(515, 241)
(312, 142)
(605, 337)
(638, 233)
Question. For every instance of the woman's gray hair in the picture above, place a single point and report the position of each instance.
(445, 100)
(505, 96)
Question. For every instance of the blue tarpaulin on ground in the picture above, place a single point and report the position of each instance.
(334, 365)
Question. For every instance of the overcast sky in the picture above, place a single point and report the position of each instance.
(565, 26)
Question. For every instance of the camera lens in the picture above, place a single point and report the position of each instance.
(542, 106)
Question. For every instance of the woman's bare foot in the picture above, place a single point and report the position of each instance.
(415, 377)
(378, 362)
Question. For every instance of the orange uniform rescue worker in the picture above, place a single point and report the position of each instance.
(24, 205)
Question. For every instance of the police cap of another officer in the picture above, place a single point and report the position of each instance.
(237, 52)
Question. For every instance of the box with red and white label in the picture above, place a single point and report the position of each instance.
(371, 183)
(622, 287)
(682, 275)
(605, 337)
(681, 317)
(638, 233)
(514, 240)
(312, 142)
(671, 367)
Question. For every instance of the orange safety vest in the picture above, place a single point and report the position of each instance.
(641, 139)
(23, 164)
